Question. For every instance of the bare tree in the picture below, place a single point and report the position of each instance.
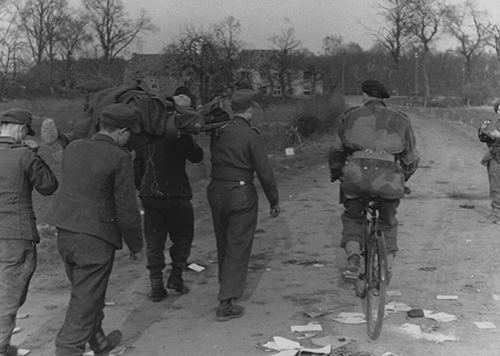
(38, 20)
(115, 31)
(396, 33)
(72, 36)
(196, 50)
(226, 35)
(286, 46)
(426, 23)
(8, 41)
(468, 25)
(333, 45)
(493, 39)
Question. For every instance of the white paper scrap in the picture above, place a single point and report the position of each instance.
(485, 325)
(196, 267)
(496, 297)
(394, 293)
(110, 304)
(440, 316)
(351, 318)
(397, 307)
(287, 353)
(285, 344)
(417, 333)
(326, 350)
(447, 297)
(271, 345)
(306, 328)
(22, 316)
(23, 352)
(17, 329)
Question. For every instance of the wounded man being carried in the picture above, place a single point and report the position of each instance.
(158, 118)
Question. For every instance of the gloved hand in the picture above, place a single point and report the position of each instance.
(136, 257)
(274, 211)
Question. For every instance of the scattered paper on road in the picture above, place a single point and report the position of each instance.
(485, 325)
(196, 267)
(306, 336)
(394, 307)
(286, 353)
(351, 318)
(306, 328)
(417, 333)
(285, 344)
(110, 304)
(315, 314)
(325, 350)
(334, 341)
(496, 297)
(287, 347)
(22, 316)
(394, 293)
(23, 352)
(440, 316)
(447, 297)
(16, 330)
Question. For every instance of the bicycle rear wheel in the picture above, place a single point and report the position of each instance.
(376, 284)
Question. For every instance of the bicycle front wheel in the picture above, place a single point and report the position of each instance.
(376, 284)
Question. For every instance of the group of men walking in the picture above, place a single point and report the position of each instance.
(96, 210)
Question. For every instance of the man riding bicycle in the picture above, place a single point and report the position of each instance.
(373, 155)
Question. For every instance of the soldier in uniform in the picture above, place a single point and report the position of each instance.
(237, 151)
(22, 170)
(489, 133)
(373, 155)
(95, 209)
(166, 194)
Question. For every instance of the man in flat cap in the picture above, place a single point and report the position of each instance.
(237, 151)
(95, 209)
(373, 155)
(22, 170)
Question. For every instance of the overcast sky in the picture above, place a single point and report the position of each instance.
(261, 19)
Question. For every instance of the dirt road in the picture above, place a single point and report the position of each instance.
(296, 267)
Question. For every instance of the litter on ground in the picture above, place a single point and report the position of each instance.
(334, 341)
(394, 307)
(23, 352)
(288, 347)
(440, 316)
(22, 316)
(16, 330)
(306, 328)
(447, 297)
(485, 325)
(417, 333)
(496, 297)
(350, 318)
(394, 293)
(196, 267)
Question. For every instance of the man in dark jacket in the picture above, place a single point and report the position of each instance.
(237, 152)
(94, 210)
(166, 194)
(22, 170)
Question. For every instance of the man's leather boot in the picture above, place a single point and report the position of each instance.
(158, 291)
(227, 310)
(102, 344)
(175, 280)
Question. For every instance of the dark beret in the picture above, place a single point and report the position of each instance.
(18, 116)
(242, 99)
(120, 116)
(374, 89)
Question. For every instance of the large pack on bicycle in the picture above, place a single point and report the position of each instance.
(375, 140)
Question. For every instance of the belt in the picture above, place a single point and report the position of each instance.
(370, 154)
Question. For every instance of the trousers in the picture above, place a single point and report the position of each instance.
(17, 265)
(353, 223)
(494, 180)
(234, 213)
(88, 261)
(172, 217)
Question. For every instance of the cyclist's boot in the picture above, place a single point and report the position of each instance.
(352, 269)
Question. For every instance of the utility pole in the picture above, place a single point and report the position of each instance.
(416, 73)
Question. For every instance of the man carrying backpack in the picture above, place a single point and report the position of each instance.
(373, 155)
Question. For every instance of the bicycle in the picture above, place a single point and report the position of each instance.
(372, 283)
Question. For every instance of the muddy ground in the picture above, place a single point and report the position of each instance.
(296, 264)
